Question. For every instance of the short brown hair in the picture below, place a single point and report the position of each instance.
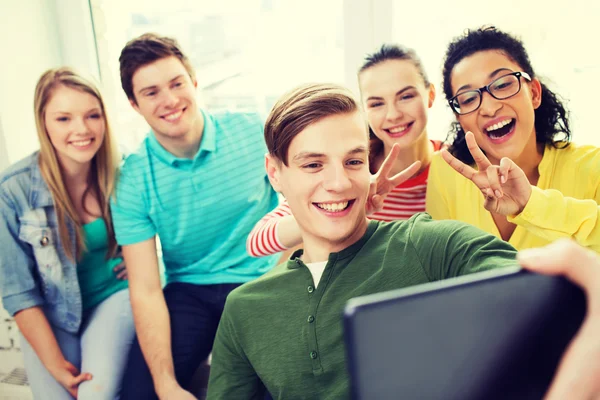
(144, 50)
(301, 107)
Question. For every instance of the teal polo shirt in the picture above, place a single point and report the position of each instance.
(202, 209)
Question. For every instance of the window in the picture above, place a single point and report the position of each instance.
(555, 36)
(246, 52)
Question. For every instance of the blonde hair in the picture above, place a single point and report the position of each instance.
(101, 181)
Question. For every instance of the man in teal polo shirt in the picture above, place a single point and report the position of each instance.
(283, 331)
(198, 183)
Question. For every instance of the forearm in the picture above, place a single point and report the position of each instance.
(150, 313)
(551, 215)
(288, 232)
(34, 326)
(275, 232)
(153, 329)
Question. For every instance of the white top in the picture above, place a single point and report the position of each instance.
(316, 269)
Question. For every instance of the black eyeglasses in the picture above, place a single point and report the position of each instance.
(502, 88)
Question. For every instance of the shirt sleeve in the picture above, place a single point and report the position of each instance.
(438, 184)
(263, 240)
(231, 374)
(551, 215)
(129, 212)
(451, 248)
(18, 286)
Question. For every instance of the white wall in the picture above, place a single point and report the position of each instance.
(3, 152)
(36, 35)
(29, 46)
(560, 38)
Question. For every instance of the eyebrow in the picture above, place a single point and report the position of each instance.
(154, 87)
(308, 154)
(492, 75)
(95, 109)
(397, 93)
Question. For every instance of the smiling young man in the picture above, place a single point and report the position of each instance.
(318, 159)
(198, 183)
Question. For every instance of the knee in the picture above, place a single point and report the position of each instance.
(97, 389)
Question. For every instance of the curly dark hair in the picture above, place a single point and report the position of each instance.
(384, 53)
(551, 117)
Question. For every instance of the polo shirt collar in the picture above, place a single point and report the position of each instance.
(207, 144)
(295, 262)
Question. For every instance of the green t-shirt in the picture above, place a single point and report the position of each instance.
(281, 332)
(97, 280)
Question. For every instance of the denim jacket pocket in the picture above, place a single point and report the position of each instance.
(43, 242)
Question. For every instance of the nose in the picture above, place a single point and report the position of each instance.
(79, 126)
(336, 179)
(489, 105)
(394, 113)
(170, 99)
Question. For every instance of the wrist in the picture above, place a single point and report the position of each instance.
(165, 386)
(526, 200)
(56, 365)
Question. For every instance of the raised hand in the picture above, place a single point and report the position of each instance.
(381, 184)
(505, 187)
(578, 375)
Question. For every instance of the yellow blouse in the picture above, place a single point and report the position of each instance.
(564, 203)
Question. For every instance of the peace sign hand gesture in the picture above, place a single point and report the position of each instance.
(381, 184)
(505, 187)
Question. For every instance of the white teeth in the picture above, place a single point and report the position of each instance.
(398, 129)
(498, 125)
(333, 207)
(81, 143)
(173, 117)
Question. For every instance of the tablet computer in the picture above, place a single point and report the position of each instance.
(491, 335)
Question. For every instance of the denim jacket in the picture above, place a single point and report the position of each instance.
(34, 268)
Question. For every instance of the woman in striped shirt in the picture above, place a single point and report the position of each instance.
(396, 95)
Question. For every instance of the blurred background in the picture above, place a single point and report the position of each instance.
(248, 52)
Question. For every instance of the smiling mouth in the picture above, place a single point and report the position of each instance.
(500, 129)
(82, 143)
(334, 207)
(173, 116)
(399, 129)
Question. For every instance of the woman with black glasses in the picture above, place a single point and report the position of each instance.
(510, 168)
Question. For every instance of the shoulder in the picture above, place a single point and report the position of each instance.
(440, 174)
(16, 179)
(587, 155)
(235, 120)
(137, 160)
(261, 290)
(574, 160)
(423, 226)
(440, 167)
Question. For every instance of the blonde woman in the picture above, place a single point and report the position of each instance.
(60, 276)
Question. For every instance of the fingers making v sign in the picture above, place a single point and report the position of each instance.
(381, 184)
(505, 187)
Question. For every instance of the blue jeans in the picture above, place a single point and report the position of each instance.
(101, 349)
(195, 312)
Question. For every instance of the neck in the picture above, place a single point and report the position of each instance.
(318, 248)
(75, 174)
(422, 151)
(187, 145)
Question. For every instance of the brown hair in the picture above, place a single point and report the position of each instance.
(389, 52)
(101, 181)
(144, 50)
(301, 107)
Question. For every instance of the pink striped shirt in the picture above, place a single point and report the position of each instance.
(402, 202)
